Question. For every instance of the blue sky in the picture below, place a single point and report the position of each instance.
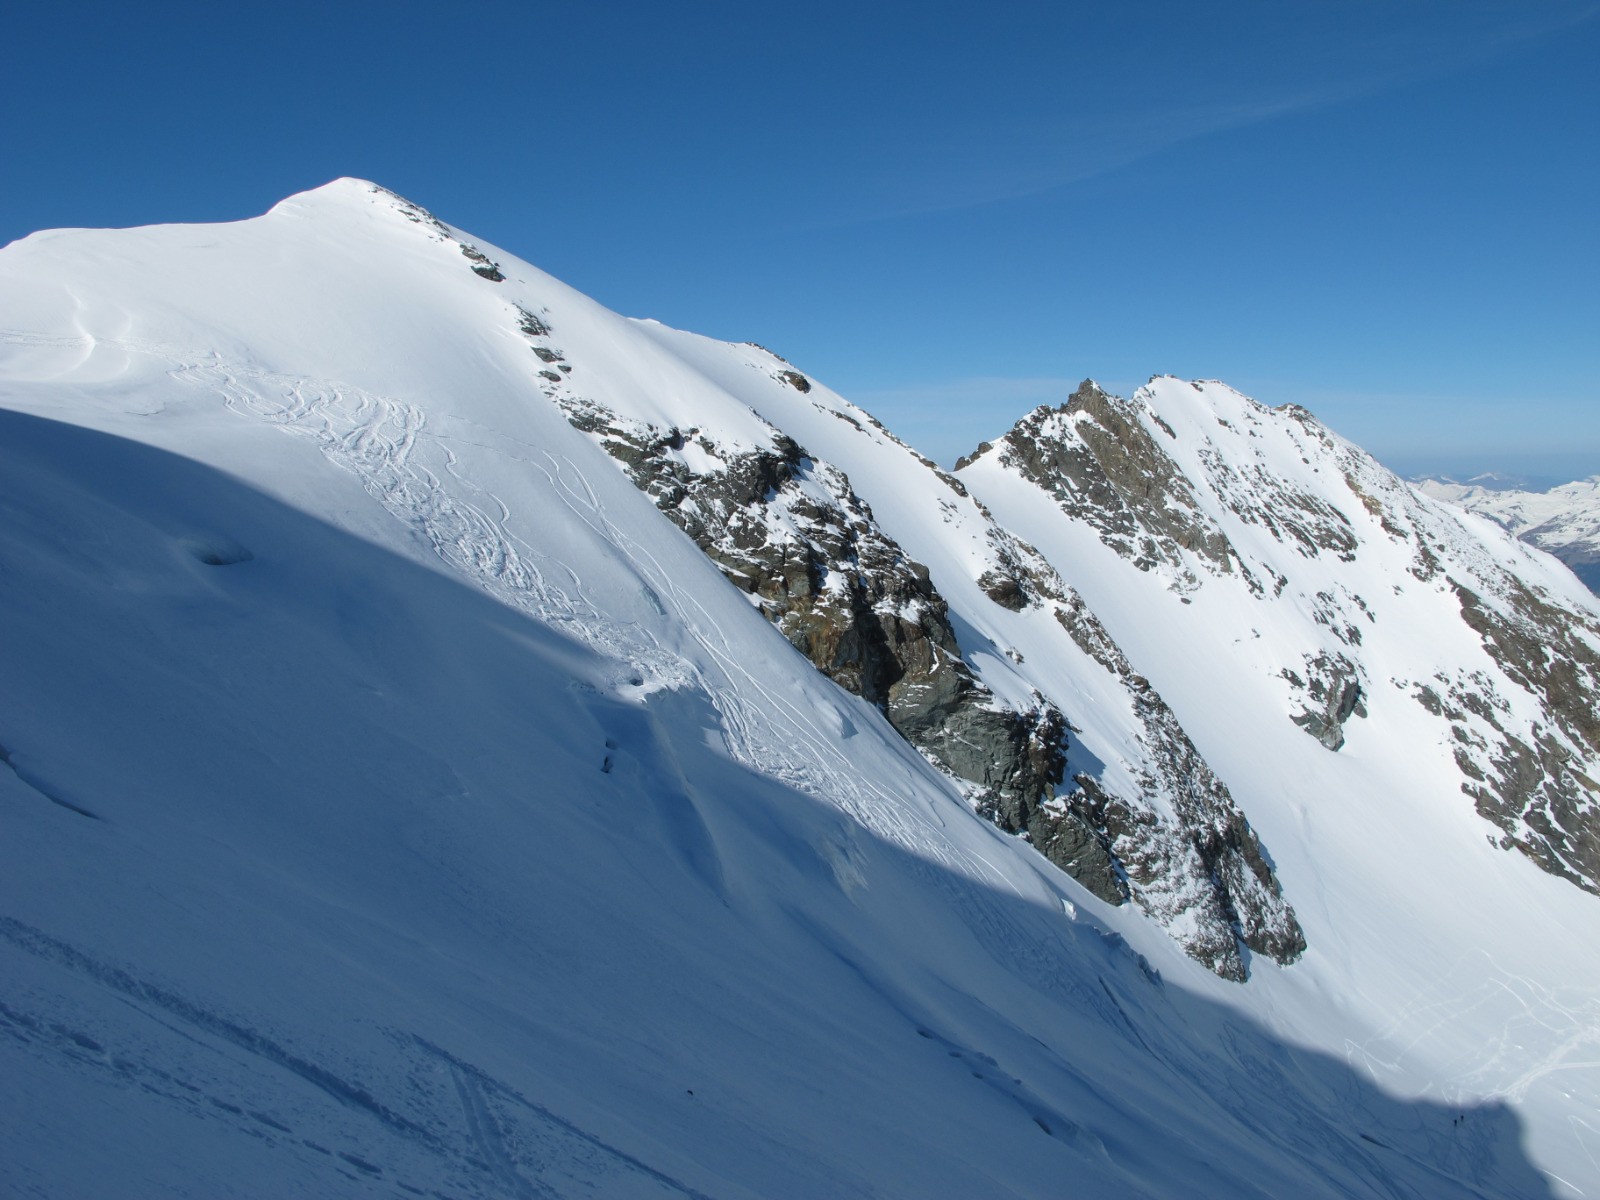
(1385, 211)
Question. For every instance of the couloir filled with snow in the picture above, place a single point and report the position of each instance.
(395, 801)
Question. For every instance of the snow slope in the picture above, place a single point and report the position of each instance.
(395, 799)
(1292, 548)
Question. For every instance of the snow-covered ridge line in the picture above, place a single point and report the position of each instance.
(791, 532)
(1199, 490)
(396, 796)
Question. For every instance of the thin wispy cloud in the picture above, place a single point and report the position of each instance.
(1014, 157)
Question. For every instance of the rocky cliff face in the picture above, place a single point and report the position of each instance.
(1112, 474)
(1312, 550)
(1536, 782)
(791, 533)
(1106, 462)
(1207, 861)
(1521, 724)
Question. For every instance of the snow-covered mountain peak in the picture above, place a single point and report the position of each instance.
(347, 190)
(347, 193)
(1186, 478)
(499, 747)
(1345, 590)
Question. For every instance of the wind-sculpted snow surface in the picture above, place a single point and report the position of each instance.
(398, 800)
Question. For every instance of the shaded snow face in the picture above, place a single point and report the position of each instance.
(329, 871)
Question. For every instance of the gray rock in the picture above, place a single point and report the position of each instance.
(1331, 690)
(848, 598)
(1112, 475)
(481, 264)
(1211, 861)
(1531, 785)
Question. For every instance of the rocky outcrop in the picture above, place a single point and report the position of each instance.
(791, 533)
(1205, 861)
(1531, 782)
(417, 215)
(1102, 458)
(1522, 725)
(481, 264)
(1179, 846)
(1330, 691)
(1105, 468)
(1258, 495)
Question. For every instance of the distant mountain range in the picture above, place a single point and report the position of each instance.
(1563, 519)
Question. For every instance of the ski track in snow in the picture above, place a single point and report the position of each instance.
(486, 1137)
(516, 1146)
(388, 444)
(1542, 1034)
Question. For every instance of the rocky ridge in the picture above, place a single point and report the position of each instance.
(791, 532)
(1208, 860)
(1103, 459)
(1522, 725)
(1211, 508)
